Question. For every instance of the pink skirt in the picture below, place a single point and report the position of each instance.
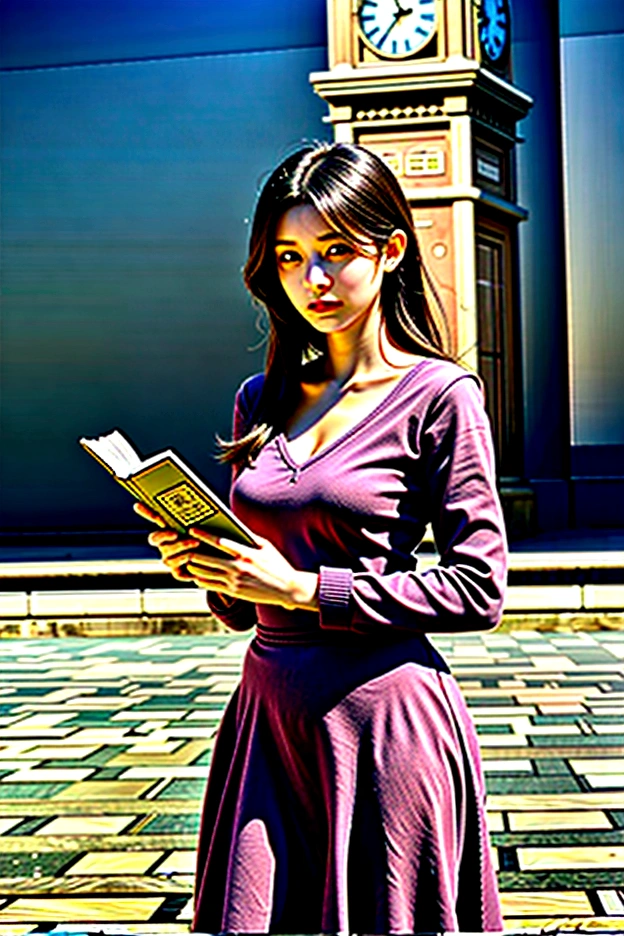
(342, 799)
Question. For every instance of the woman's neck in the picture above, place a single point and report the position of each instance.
(363, 352)
(355, 351)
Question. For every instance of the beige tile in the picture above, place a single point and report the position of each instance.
(13, 750)
(529, 903)
(7, 823)
(115, 862)
(134, 670)
(516, 802)
(71, 692)
(81, 909)
(155, 729)
(103, 790)
(550, 696)
(18, 765)
(152, 715)
(605, 781)
(85, 825)
(160, 772)
(503, 713)
(55, 775)
(567, 857)
(102, 736)
(15, 929)
(66, 752)
(552, 820)
(553, 730)
(502, 740)
(495, 822)
(44, 720)
(514, 765)
(561, 708)
(178, 862)
(597, 765)
(204, 716)
(143, 754)
(540, 926)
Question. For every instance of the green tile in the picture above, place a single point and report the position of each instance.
(554, 838)
(185, 823)
(517, 784)
(183, 789)
(27, 791)
(617, 816)
(559, 880)
(90, 718)
(580, 740)
(108, 773)
(551, 766)
(494, 729)
(203, 759)
(46, 864)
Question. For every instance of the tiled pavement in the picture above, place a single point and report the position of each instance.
(104, 747)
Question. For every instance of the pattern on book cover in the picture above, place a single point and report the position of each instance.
(186, 504)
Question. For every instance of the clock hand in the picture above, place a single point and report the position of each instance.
(397, 17)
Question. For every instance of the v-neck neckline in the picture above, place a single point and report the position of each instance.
(282, 441)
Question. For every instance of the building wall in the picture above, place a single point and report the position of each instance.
(592, 57)
(543, 323)
(134, 138)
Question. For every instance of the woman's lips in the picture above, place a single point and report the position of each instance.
(324, 305)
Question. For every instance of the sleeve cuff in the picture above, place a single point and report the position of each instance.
(334, 595)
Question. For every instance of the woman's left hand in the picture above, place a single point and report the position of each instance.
(262, 575)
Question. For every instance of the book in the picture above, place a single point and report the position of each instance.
(169, 486)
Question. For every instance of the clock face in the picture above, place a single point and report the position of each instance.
(494, 23)
(397, 29)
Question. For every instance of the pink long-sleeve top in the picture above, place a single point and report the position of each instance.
(356, 511)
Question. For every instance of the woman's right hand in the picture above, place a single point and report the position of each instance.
(174, 549)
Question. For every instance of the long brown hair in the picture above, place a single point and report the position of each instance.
(359, 196)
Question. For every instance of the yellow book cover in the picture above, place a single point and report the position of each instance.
(169, 486)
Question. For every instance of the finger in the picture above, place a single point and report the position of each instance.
(216, 563)
(148, 514)
(161, 538)
(211, 582)
(181, 575)
(216, 575)
(221, 542)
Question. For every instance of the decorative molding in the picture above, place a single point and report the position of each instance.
(400, 113)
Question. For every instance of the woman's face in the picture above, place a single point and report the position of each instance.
(332, 282)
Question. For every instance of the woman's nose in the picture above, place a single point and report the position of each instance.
(317, 277)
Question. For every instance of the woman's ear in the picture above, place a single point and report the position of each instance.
(395, 250)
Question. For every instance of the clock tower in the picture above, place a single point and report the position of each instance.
(427, 84)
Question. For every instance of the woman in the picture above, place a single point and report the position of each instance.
(345, 792)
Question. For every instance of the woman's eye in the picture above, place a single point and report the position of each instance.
(287, 257)
(339, 251)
